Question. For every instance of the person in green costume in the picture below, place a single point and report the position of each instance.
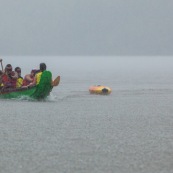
(43, 83)
(39, 75)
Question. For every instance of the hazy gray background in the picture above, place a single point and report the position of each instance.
(86, 27)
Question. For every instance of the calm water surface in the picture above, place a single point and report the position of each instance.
(129, 131)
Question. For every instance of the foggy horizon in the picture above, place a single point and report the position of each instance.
(86, 28)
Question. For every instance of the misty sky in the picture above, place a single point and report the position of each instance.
(86, 27)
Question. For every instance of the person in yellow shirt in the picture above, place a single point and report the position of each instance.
(19, 81)
(38, 75)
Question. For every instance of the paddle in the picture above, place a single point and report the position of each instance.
(1, 64)
(56, 81)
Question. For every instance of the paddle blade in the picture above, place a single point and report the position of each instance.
(56, 81)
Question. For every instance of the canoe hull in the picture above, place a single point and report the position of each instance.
(39, 92)
(22, 92)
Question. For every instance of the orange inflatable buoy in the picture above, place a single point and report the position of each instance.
(100, 89)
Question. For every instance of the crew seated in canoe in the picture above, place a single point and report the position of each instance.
(38, 75)
(29, 78)
(9, 77)
(19, 81)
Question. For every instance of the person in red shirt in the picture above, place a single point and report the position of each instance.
(9, 77)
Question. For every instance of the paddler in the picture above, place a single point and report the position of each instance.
(29, 78)
(9, 77)
(38, 75)
(19, 81)
(1, 84)
(1, 73)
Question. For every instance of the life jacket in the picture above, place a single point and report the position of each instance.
(19, 82)
(13, 83)
(38, 76)
(8, 81)
(26, 82)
